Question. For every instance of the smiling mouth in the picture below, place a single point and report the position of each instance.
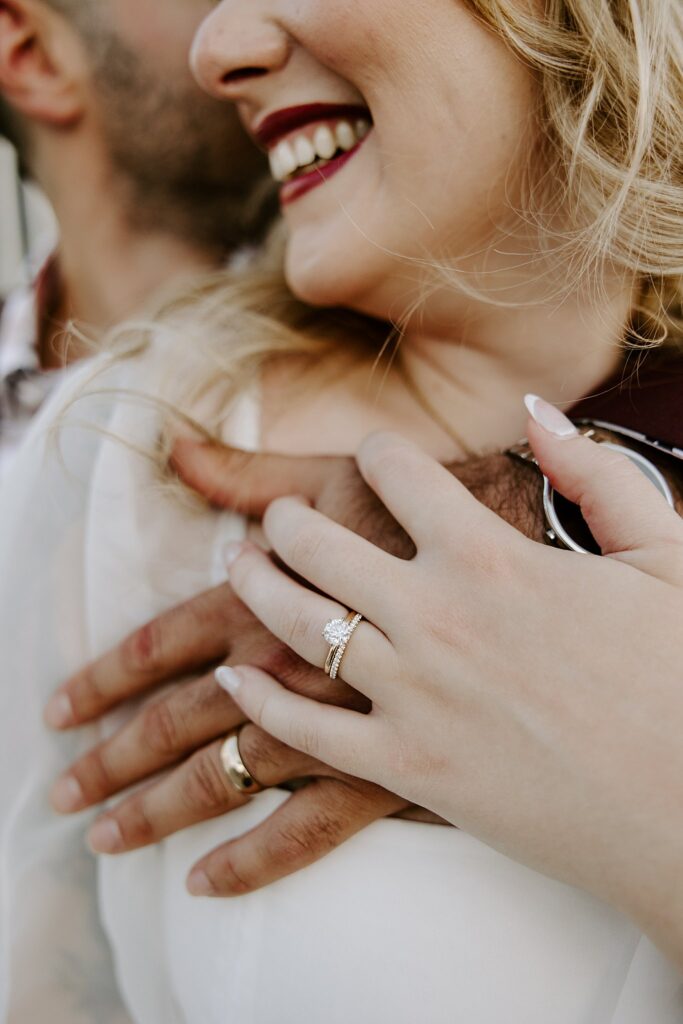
(306, 145)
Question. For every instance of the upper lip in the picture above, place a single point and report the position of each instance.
(281, 122)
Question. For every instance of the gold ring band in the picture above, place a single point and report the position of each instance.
(338, 633)
(235, 768)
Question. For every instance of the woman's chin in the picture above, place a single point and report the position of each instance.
(321, 278)
(315, 280)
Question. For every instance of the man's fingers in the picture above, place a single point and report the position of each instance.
(625, 512)
(185, 639)
(246, 481)
(159, 735)
(196, 791)
(311, 823)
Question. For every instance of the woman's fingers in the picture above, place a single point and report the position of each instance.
(196, 791)
(346, 740)
(332, 558)
(625, 512)
(311, 823)
(423, 496)
(159, 735)
(297, 615)
(184, 639)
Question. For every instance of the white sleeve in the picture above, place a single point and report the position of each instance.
(55, 962)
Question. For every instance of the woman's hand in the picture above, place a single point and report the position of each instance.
(179, 730)
(529, 695)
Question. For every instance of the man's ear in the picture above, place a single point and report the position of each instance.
(42, 63)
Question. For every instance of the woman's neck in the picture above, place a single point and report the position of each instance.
(462, 377)
(473, 377)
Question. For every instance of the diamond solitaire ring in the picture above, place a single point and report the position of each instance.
(337, 633)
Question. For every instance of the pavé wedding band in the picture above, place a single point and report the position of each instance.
(235, 768)
(337, 633)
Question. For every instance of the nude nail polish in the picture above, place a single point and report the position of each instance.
(228, 679)
(549, 417)
(105, 836)
(59, 712)
(67, 795)
(231, 552)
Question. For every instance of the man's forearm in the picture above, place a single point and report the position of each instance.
(506, 486)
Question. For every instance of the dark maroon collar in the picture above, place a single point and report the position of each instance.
(645, 395)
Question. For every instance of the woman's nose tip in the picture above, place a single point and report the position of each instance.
(227, 53)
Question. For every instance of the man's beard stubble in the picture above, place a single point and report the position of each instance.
(188, 165)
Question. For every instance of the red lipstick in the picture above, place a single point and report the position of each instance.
(292, 190)
(280, 123)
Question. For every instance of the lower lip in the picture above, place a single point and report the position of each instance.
(292, 190)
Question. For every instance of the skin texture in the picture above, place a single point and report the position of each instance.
(524, 741)
(182, 728)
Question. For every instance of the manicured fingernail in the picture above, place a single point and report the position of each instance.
(105, 836)
(228, 679)
(67, 795)
(231, 552)
(549, 417)
(59, 711)
(199, 884)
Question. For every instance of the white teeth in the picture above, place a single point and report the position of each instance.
(286, 158)
(324, 142)
(275, 168)
(346, 137)
(303, 148)
(300, 151)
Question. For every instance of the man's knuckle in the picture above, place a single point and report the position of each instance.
(94, 775)
(142, 651)
(85, 693)
(264, 755)
(304, 840)
(293, 844)
(227, 878)
(161, 730)
(137, 827)
(206, 787)
(284, 664)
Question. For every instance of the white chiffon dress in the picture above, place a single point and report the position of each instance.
(406, 922)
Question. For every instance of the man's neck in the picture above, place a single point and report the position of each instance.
(108, 268)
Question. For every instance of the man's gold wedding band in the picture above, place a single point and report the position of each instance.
(235, 768)
(338, 633)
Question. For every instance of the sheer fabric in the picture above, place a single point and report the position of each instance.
(405, 922)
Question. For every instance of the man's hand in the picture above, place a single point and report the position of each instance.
(181, 731)
(247, 482)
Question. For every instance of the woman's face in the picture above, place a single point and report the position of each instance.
(397, 128)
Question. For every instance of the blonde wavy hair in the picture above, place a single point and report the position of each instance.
(611, 117)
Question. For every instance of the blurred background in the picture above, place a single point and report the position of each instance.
(27, 225)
